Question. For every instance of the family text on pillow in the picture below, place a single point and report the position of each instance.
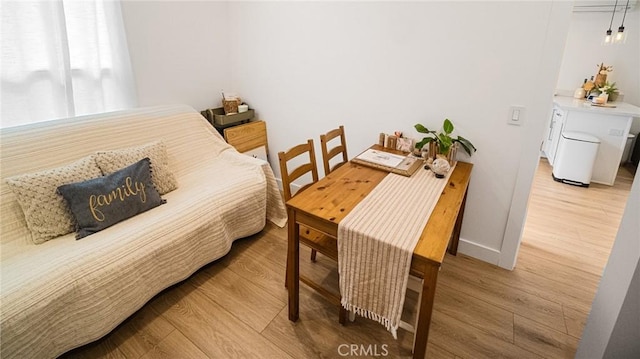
(102, 202)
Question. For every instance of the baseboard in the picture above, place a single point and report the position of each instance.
(479, 251)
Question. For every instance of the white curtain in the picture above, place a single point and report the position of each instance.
(63, 58)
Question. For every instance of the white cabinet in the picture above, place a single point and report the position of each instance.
(553, 136)
(610, 125)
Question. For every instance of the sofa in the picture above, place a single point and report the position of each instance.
(62, 293)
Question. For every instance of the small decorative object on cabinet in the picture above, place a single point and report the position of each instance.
(601, 76)
(588, 87)
(230, 104)
(440, 167)
(218, 118)
(442, 143)
(397, 141)
(580, 93)
(609, 90)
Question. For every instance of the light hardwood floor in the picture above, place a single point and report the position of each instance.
(236, 306)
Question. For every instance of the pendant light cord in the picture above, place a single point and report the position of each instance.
(614, 13)
(625, 13)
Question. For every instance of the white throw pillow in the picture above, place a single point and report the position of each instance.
(45, 211)
(161, 175)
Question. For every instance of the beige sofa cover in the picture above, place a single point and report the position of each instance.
(65, 293)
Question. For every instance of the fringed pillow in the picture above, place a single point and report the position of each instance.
(102, 202)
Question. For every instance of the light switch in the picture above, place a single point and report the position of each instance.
(516, 115)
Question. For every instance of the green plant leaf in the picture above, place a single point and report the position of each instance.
(445, 142)
(423, 142)
(467, 142)
(447, 126)
(420, 128)
(445, 139)
(465, 148)
(468, 147)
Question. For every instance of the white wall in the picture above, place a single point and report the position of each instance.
(613, 326)
(584, 50)
(179, 51)
(383, 66)
(307, 67)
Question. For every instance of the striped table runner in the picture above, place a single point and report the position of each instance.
(376, 242)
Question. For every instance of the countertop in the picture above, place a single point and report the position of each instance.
(572, 104)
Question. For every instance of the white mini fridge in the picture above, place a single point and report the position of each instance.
(575, 158)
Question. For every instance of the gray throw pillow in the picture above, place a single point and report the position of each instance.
(102, 202)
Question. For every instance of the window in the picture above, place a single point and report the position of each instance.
(61, 59)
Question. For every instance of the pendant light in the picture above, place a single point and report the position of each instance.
(620, 36)
(608, 39)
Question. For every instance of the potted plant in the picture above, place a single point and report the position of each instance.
(610, 90)
(443, 140)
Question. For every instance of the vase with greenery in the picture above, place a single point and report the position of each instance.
(601, 75)
(443, 140)
(610, 90)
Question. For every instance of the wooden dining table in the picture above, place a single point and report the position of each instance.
(325, 203)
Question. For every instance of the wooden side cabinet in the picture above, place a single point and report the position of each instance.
(249, 138)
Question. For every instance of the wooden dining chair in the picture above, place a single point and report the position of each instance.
(315, 240)
(329, 154)
(307, 167)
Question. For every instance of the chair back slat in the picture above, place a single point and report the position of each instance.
(308, 167)
(329, 154)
